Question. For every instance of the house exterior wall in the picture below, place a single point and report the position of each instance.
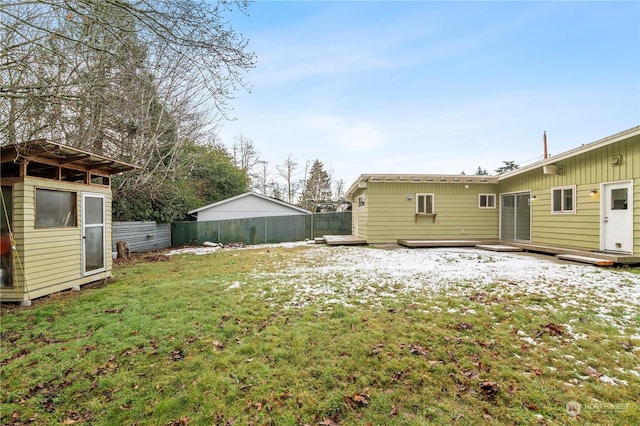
(586, 171)
(51, 258)
(390, 215)
(245, 207)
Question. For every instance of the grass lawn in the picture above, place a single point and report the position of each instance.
(294, 335)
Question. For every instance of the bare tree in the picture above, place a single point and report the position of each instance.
(261, 180)
(338, 188)
(287, 170)
(128, 79)
(246, 158)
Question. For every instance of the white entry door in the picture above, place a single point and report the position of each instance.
(93, 234)
(617, 216)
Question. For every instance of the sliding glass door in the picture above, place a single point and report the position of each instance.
(515, 216)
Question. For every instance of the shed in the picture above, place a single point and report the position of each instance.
(247, 205)
(56, 218)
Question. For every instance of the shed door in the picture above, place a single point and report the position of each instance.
(93, 234)
(617, 219)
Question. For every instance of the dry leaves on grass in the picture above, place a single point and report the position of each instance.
(358, 400)
(415, 349)
(551, 329)
(489, 389)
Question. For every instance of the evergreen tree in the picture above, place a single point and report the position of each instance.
(481, 171)
(318, 185)
(508, 165)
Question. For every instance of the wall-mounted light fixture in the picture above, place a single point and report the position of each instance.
(409, 197)
(593, 192)
(533, 198)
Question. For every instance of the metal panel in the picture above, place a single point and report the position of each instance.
(141, 236)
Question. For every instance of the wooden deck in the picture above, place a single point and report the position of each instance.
(442, 243)
(615, 258)
(564, 253)
(498, 247)
(343, 240)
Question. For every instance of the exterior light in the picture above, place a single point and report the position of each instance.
(593, 192)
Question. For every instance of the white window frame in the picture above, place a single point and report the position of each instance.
(433, 203)
(487, 198)
(563, 207)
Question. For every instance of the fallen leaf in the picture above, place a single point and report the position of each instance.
(463, 326)
(394, 410)
(113, 311)
(415, 349)
(552, 329)
(489, 389)
(377, 348)
(592, 372)
(470, 374)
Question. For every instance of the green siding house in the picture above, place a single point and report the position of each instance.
(56, 219)
(585, 199)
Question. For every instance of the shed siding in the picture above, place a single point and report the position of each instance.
(359, 215)
(586, 171)
(52, 257)
(392, 216)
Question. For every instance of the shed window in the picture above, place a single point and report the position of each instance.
(424, 204)
(563, 199)
(55, 208)
(487, 201)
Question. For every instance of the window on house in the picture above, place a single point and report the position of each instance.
(563, 200)
(487, 201)
(55, 208)
(424, 204)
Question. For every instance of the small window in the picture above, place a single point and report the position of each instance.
(563, 200)
(424, 204)
(619, 199)
(100, 180)
(55, 208)
(487, 201)
(361, 201)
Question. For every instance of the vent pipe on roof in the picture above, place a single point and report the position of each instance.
(544, 138)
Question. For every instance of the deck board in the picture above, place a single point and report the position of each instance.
(498, 247)
(598, 261)
(343, 240)
(439, 243)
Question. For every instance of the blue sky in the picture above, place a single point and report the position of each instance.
(434, 87)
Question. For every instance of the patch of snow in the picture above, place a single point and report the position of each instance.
(613, 380)
(350, 274)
